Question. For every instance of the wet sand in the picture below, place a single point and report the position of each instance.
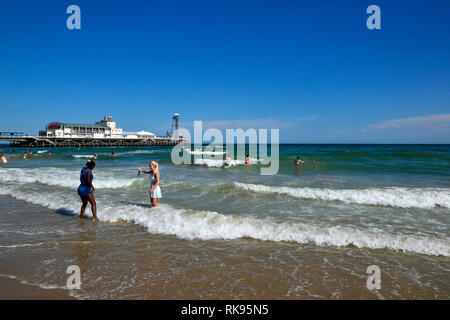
(13, 289)
(123, 261)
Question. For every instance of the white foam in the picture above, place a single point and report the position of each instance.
(40, 285)
(220, 163)
(142, 151)
(205, 225)
(42, 151)
(63, 178)
(205, 152)
(78, 156)
(425, 198)
(25, 245)
(117, 154)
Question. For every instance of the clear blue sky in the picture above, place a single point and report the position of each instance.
(310, 68)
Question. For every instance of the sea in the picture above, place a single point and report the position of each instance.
(312, 231)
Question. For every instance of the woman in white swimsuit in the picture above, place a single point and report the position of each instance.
(155, 190)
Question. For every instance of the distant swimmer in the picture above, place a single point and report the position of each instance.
(298, 161)
(227, 161)
(3, 159)
(30, 152)
(49, 153)
(247, 159)
(155, 190)
(94, 157)
(86, 189)
(24, 156)
(113, 155)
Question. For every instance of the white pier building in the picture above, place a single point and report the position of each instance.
(105, 128)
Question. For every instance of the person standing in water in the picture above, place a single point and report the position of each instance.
(155, 190)
(86, 189)
(3, 159)
(247, 159)
(227, 161)
(298, 161)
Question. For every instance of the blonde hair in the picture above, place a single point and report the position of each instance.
(156, 166)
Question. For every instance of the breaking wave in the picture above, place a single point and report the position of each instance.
(220, 163)
(205, 225)
(62, 177)
(80, 156)
(205, 152)
(425, 198)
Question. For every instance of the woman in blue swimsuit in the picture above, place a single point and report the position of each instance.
(86, 189)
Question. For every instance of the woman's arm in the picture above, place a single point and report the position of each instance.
(89, 180)
(145, 171)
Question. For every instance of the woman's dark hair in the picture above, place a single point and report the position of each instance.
(90, 164)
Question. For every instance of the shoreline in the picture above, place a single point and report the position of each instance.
(15, 289)
(124, 261)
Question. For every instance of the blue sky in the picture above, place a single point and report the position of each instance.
(310, 68)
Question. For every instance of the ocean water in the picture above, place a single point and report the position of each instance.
(309, 231)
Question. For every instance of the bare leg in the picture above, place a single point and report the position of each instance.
(154, 203)
(83, 207)
(91, 200)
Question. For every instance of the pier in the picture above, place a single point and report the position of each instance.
(58, 142)
(103, 133)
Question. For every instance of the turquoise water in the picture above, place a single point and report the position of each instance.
(372, 196)
(356, 205)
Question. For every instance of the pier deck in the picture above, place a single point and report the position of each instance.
(38, 141)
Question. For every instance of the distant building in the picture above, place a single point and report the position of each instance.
(102, 129)
(139, 135)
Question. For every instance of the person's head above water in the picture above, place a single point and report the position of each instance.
(298, 158)
(90, 164)
(154, 166)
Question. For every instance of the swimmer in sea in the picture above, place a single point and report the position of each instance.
(298, 161)
(24, 156)
(227, 161)
(3, 158)
(86, 189)
(247, 159)
(113, 155)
